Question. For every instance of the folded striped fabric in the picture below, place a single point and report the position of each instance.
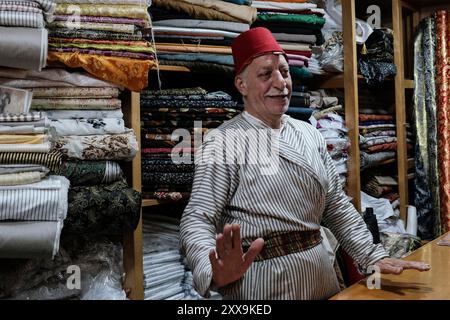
(42, 201)
(23, 117)
(50, 160)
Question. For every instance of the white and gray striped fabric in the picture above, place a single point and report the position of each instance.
(304, 192)
(22, 19)
(42, 201)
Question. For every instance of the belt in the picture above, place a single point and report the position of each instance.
(281, 244)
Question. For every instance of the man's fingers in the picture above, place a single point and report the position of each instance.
(252, 252)
(416, 265)
(228, 243)
(220, 245)
(236, 235)
(213, 259)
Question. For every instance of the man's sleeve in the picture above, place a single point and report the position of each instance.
(341, 217)
(201, 219)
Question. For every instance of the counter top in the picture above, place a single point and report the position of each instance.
(411, 284)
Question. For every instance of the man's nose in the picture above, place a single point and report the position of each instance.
(279, 81)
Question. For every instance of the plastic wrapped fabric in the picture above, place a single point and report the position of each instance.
(399, 245)
(100, 263)
(332, 57)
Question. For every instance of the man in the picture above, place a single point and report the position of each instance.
(275, 216)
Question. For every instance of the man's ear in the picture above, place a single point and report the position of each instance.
(240, 85)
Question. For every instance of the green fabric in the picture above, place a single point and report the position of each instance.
(310, 19)
(103, 209)
(87, 173)
(300, 73)
(114, 47)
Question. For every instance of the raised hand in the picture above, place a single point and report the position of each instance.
(231, 262)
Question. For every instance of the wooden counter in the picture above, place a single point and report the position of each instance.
(411, 284)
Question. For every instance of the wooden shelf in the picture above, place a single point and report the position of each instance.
(426, 3)
(408, 84)
(163, 67)
(336, 81)
(155, 202)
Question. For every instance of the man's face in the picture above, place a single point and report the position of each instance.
(266, 85)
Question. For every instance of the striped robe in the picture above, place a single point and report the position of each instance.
(304, 192)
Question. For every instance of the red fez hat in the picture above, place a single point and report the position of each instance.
(251, 44)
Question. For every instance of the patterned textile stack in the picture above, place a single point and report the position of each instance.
(33, 200)
(103, 37)
(88, 130)
(167, 162)
(296, 24)
(166, 275)
(23, 37)
(198, 33)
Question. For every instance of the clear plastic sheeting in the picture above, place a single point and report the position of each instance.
(85, 270)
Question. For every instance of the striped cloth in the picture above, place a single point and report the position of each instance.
(23, 117)
(42, 201)
(304, 192)
(50, 160)
(21, 19)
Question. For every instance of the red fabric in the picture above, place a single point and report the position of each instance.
(251, 44)
(352, 272)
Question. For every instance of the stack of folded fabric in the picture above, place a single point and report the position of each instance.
(88, 130)
(167, 153)
(296, 24)
(166, 276)
(33, 200)
(300, 104)
(328, 118)
(104, 38)
(23, 37)
(198, 33)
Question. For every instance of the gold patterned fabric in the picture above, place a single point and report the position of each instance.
(443, 112)
(130, 73)
(104, 10)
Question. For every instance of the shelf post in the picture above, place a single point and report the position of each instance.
(351, 101)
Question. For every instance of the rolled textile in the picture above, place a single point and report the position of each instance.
(130, 21)
(203, 24)
(62, 76)
(29, 239)
(23, 48)
(210, 10)
(22, 129)
(140, 2)
(105, 10)
(130, 73)
(99, 147)
(20, 178)
(75, 104)
(14, 18)
(23, 117)
(28, 148)
(107, 53)
(50, 160)
(23, 139)
(87, 173)
(85, 127)
(42, 201)
(83, 114)
(103, 209)
(17, 168)
(93, 34)
(108, 27)
(76, 92)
